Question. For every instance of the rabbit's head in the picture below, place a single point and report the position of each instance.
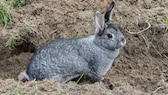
(108, 35)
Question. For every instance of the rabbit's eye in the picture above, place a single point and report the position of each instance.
(109, 36)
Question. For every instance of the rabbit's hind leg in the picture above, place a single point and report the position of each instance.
(95, 77)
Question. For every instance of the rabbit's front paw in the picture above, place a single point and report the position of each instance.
(97, 78)
(101, 83)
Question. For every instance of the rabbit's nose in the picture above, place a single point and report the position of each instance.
(123, 40)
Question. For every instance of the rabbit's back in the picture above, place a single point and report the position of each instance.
(60, 57)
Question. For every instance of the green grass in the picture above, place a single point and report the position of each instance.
(13, 41)
(5, 16)
(167, 23)
(19, 3)
(81, 76)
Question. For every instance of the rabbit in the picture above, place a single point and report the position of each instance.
(68, 58)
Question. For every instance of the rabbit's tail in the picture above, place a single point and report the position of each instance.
(23, 76)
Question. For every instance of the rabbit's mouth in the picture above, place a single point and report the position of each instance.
(121, 44)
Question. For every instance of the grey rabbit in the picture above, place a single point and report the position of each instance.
(66, 59)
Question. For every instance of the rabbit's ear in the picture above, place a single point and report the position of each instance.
(108, 14)
(99, 19)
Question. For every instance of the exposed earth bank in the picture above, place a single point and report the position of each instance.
(141, 68)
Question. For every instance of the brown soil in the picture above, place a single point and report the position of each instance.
(141, 68)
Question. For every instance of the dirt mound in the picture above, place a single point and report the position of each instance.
(141, 67)
(51, 87)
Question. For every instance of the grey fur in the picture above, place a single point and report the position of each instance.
(65, 59)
